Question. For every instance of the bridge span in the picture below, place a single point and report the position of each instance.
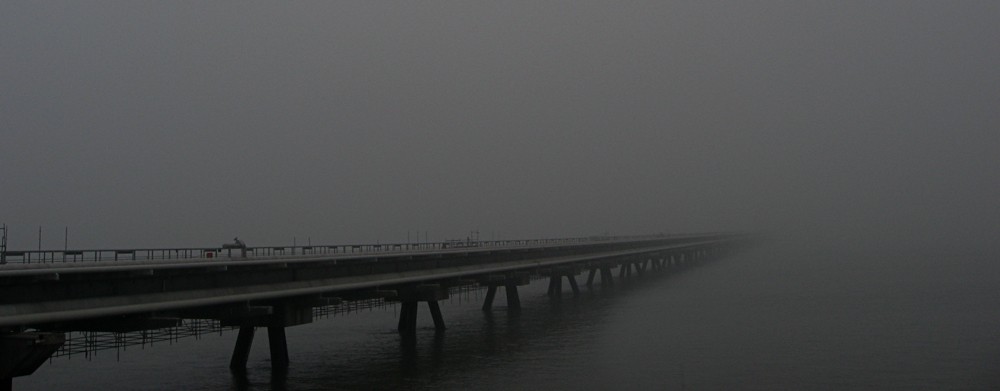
(43, 298)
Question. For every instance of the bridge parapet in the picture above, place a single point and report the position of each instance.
(15, 257)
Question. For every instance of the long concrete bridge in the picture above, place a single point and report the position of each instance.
(45, 294)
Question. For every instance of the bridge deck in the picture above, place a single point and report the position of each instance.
(62, 310)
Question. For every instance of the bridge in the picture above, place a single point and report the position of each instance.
(46, 294)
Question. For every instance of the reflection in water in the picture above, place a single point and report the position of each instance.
(475, 341)
(241, 381)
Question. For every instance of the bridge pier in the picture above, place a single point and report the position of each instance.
(491, 293)
(277, 342)
(572, 283)
(555, 281)
(282, 315)
(241, 353)
(410, 296)
(604, 271)
(436, 314)
(510, 282)
(279, 346)
(555, 285)
(625, 271)
(513, 300)
(607, 279)
(22, 353)
(408, 316)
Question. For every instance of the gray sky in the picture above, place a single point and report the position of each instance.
(188, 123)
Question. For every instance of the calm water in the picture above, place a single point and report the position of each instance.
(770, 318)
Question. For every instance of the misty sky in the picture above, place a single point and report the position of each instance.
(188, 123)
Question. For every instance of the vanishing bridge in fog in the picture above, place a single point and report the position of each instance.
(46, 294)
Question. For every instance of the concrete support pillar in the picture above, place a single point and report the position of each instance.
(607, 279)
(241, 353)
(436, 314)
(279, 347)
(555, 286)
(513, 300)
(491, 292)
(408, 317)
(509, 282)
(555, 281)
(572, 284)
(276, 318)
(590, 277)
(628, 269)
(410, 296)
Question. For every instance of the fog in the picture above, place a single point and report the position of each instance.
(139, 124)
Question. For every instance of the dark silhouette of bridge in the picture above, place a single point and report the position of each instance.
(46, 294)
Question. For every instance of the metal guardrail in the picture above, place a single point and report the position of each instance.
(96, 255)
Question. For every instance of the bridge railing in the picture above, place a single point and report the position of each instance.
(210, 253)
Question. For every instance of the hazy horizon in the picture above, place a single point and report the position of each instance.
(186, 124)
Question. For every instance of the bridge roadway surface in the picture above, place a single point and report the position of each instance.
(44, 299)
(276, 292)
